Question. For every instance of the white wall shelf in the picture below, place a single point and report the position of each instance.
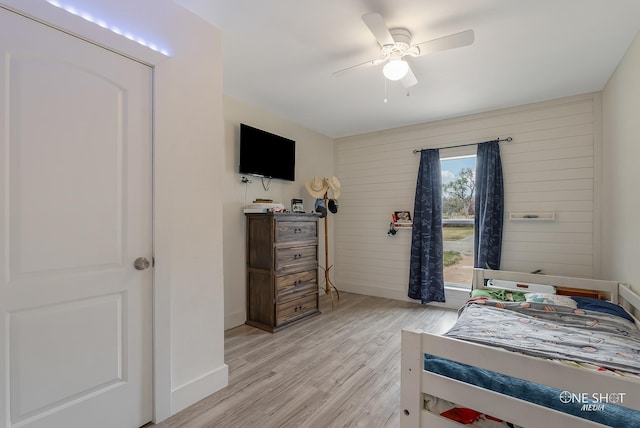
(532, 215)
(403, 225)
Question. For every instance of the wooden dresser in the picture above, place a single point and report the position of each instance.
(282, 269)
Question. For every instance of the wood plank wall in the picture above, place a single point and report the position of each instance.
(553, 164)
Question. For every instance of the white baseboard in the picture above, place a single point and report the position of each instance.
(386, 293)
(455, 297)
(194, 391)
(234, 319)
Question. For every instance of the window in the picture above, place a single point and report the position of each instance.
(458, 198)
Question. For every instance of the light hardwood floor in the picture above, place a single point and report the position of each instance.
(338, 369)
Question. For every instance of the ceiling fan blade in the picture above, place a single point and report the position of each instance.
(452, 41)
(409, 79)
(358, 66)
(375, 23)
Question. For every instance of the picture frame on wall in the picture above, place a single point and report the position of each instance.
(402, 216)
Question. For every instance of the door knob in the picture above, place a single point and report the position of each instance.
(141, 263)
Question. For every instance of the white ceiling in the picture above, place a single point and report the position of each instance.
(279, 55)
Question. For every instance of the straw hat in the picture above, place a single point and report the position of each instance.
(317, 187)
(334, 184)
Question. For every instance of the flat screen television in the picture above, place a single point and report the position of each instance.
(266, 155)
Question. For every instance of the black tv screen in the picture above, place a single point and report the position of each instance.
(266, 155)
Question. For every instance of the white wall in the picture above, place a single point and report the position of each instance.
(188, 161)
(188, 165)
(621, 170)
(314, 156)
(553, 164)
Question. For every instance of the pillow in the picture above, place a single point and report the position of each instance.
(551, 299)
(590, 304)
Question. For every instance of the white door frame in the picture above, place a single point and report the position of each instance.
(161, 304)
(186, 368)
(78, 318)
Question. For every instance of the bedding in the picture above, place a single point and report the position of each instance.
(551, 299)
(497, 294)
(551, 331)
(608, 414)
(591, 304)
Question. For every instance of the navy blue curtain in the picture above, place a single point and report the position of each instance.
(426, 278)
(489, 207)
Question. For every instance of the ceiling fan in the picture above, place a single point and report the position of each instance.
(395, 44)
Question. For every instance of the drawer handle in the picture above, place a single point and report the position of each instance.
(296, 283)
(297, 256)
(297, 230)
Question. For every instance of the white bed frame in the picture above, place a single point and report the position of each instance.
(415, 380)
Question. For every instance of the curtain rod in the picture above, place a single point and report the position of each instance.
(508, 139)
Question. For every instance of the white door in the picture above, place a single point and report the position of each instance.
(75, 212)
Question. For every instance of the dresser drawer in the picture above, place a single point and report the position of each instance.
(296, 308)
(290, 231)
(295, 259)
(296, 281)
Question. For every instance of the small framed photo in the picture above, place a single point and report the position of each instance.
(296, 206)
(402, 215)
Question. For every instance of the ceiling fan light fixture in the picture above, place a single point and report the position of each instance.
(395, 69)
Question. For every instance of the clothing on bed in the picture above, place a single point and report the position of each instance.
(551, 331)
(462, 415)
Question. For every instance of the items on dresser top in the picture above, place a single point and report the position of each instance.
(263, 207)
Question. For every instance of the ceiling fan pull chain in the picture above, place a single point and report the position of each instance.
(385, 90)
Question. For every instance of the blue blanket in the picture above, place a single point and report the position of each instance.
(604, 413)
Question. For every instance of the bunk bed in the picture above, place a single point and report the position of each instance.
(511, 381)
